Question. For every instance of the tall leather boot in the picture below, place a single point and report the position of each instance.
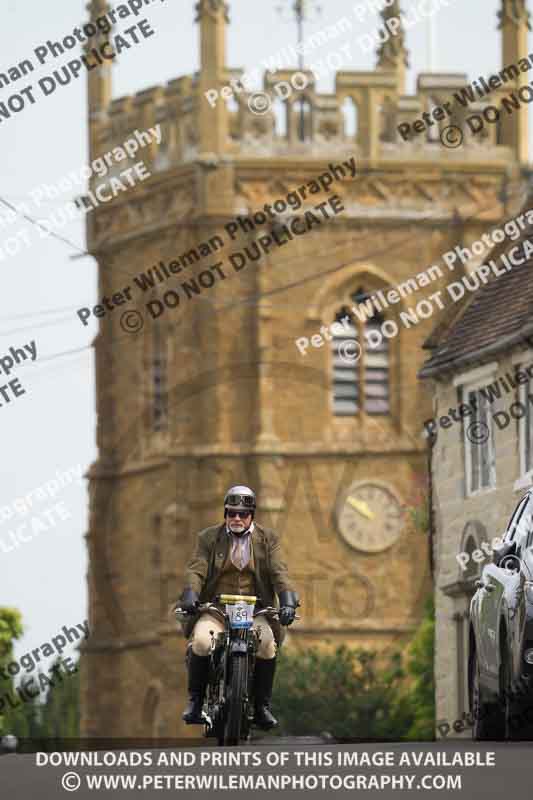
(198, 669)
(263, 682)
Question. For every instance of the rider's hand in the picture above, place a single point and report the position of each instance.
(286, 615)
(189, 601)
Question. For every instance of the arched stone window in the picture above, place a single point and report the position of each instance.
(474, 535)
(461, 591)
(361, 372)
(350, 116)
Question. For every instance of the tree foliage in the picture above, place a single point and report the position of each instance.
(10, 630)
(356, 694)
(54, 715)
(420, 668)
(341, 692)
(60, 713)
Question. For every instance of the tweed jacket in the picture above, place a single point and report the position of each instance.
(212, 547)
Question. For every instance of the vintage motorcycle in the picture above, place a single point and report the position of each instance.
(229, 706)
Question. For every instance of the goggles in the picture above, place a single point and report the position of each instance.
(240, 500)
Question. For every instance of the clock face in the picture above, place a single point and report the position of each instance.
(370, 517)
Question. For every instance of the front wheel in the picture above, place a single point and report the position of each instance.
(236, 690)
(514, 719)
(488, 719)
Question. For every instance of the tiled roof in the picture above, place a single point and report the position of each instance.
(497, 311)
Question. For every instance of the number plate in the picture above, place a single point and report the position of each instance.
(241, 615)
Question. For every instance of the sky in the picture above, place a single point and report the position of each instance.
(48, 433)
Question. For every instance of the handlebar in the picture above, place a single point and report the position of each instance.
(180, 612)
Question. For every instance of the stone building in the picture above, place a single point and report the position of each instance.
(210, 389)
(481, 369)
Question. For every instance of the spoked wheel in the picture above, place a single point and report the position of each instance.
(488, 719)
(233, 727)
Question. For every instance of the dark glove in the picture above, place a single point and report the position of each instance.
(286, 615)
(189, 600)
(288, 604)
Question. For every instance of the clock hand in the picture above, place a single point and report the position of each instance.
(361, 507)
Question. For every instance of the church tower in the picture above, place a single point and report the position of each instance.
(226, 365)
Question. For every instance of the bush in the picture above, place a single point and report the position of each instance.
(420, 667)
(10, 629)
(58, 716)
(351, 694)
(342, 693)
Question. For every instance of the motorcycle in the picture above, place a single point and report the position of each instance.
(229, 706)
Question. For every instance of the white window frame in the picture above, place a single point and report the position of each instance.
(468, 382)
(522, 361)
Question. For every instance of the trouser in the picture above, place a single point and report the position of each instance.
(201, 637)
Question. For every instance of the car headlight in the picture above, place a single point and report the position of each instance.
(528, 585)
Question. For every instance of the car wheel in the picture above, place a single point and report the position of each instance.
(487, 717)
(514, 727)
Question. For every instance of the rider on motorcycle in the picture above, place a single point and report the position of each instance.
(237, 557)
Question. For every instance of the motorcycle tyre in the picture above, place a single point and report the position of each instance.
(233, 726)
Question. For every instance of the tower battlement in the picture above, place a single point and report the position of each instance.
(366, 101)
(362, 115)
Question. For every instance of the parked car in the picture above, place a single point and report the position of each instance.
(501, 635)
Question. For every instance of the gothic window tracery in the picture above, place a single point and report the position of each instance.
(361, 373)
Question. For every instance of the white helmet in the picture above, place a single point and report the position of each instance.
(240, 498)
